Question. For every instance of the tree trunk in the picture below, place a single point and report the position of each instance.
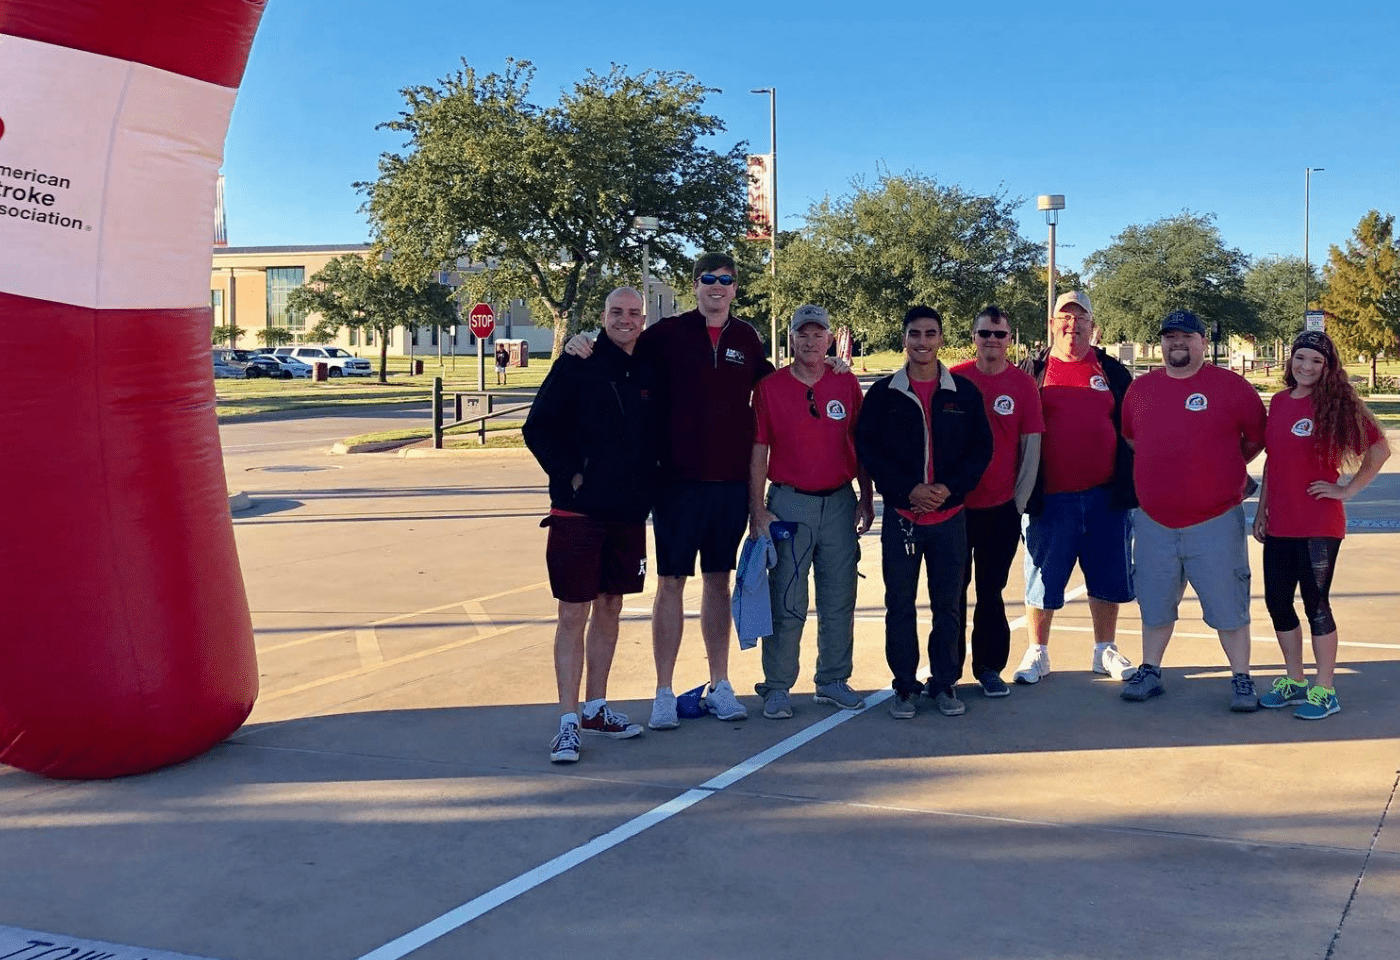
(561, 335)
(1373, 372)
(384, 355)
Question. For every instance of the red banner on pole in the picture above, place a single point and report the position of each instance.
(760, 196)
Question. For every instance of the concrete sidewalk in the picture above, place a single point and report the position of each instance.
(392, 796)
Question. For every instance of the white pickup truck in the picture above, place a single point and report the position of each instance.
(341, 362)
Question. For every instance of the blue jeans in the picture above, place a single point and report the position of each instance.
(1082, 527)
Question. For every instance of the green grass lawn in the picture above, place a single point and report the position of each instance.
(244, 399)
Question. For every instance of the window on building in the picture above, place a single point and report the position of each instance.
(216, 304)
(281, 281)
(354, 337)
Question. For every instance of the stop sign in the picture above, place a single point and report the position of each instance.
(483, 320)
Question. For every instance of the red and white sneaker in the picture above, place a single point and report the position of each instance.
(607, 723)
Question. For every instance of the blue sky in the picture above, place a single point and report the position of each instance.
(1133, 113)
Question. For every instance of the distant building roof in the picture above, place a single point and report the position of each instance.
(301, 248)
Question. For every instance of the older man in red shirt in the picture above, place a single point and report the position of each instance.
(804, 455)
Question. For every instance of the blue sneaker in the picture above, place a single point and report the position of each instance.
(1321, 703)
(1145, 684)
(1286, 692)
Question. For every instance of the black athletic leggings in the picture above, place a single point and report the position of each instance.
(1307, 564)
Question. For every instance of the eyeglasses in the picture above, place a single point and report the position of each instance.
(812, 402)
(999, 334)
(710, 279)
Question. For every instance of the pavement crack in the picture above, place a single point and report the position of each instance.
(1356, 887)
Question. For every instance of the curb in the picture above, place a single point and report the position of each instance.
(423, 453)
(238, 501)
(377, 446)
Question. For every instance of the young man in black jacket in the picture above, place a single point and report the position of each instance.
(924, 439)
(593, 430)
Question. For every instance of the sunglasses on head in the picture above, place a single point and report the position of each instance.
(812, 402)
(710, 279)
(987, 334)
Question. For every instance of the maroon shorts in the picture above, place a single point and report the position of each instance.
(587, 557)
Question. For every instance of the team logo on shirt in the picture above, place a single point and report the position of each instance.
(1303, 428)
(733, 356)
(835, 410)
(1004, 405)
(1197, 402)
(1098, 382)
(642, 568)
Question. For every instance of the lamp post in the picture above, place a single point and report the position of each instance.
(773, 208)
(1052, 204)
(646, 226)
(1307, 203)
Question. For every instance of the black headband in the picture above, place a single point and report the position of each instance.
(1316, 340)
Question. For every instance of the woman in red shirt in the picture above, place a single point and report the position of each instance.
(1317, 428)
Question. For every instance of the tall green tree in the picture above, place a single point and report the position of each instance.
(904, 239)
(545, 195)
(1176, 263)
(1363, 290)
(1275, 286)
(364, 293)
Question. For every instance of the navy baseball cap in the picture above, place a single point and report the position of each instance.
(1183, 320)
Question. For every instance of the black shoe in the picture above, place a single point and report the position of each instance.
(992, 684)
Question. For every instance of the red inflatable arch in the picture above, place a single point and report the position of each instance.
(126, 641)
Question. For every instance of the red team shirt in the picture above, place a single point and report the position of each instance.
(1080, 445)
(1294, 464)
(1013, 409)
(924, 390)
(815, 453)
(1188, 466)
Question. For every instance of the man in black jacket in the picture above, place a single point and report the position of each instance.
(924, 439)
(593, 430)
(1081, 508)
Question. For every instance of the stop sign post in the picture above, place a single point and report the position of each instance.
(483, 320)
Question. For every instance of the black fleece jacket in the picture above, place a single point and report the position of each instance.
(892, 438)
(598, 417)
(1118, 377)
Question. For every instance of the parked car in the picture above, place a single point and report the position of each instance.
(227, 371)
(272, 365)
(341, 362)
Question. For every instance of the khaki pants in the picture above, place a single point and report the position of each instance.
(825, 540)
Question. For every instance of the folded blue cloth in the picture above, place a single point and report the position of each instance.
(751, 605)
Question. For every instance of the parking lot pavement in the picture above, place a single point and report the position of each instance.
(391, 794)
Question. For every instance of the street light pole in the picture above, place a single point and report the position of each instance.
(1307, 203)
(646, 226)
(773, 208)
(1052, 204)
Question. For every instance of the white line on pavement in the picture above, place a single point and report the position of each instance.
(1212, 636)
(461, 916)
(367, 643)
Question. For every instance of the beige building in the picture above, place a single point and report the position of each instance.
(249, 286)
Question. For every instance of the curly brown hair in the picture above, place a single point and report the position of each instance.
(1340, 415)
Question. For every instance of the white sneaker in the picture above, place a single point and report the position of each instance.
(663, 712)
(1111, 663)
(1035, 665)
(723, 704)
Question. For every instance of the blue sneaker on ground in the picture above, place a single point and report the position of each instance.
(1321, 703)
(1145, 684)
(1286, 692)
